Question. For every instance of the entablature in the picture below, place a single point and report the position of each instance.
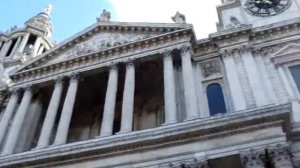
(103, 58)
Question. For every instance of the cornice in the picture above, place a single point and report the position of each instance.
(138, 49)
(168, 135)
(106, 26)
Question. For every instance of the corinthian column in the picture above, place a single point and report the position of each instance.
(281, 156)
(189, 84)
(128, 99)
(8, 113)
(253, 158)
(67, 111)
(51, 115)
(110, 102)
(169, 89)
(23, 43)
(17, 123)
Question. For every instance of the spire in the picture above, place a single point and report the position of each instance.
(48, 9)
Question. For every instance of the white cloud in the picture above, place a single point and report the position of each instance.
(202, 14)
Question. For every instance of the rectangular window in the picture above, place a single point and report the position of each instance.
(295, 71)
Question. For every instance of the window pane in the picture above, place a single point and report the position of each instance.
(295, 70)
(215, 98)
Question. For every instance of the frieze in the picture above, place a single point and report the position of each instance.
(102, 41)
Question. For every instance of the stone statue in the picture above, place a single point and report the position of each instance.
(104, 17)
(48, 9)
(179, 18)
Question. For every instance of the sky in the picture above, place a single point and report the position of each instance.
(72, 16)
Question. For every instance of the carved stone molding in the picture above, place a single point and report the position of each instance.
(74, 77)
(253, 158)
(280, 156)
(210, 68)
(190, 164)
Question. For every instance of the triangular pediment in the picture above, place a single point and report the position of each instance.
(101, 36)
(288, 53)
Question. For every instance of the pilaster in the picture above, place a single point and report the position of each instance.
(233, 80)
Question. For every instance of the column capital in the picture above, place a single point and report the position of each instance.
(191, 164)
(130, 61)
(14, 91)
(112, 65)
(59, 79)
(185, 49)
(167, 52)
(253, 158)
(280, 155)
(74, 76)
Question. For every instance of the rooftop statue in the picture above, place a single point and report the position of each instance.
(179, 18)
(104, 17)
(48, 9)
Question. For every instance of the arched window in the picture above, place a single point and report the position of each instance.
(215, 99)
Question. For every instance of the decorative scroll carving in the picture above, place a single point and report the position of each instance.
(280, 156)
(254, 158)
(210, 68)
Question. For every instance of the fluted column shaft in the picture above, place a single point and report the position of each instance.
(169, 89)
(128, 99)
(8, 114)
(17, 123)
(50, 115)
(189, 84)
(36, 46)
(5, 48)
(110, 102)
(67, 111)
(23, 43)
(16, 46)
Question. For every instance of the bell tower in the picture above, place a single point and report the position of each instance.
(256, 13)
(19, 45)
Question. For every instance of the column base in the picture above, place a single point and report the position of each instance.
(169, 123)
(191, 118)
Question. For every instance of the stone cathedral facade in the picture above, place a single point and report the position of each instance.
(152, 95)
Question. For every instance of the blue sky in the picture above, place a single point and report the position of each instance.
(68, 16)
(72, 16)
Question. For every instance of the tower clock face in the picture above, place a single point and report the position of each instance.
(267, 7)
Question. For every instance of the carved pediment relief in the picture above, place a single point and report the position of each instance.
(289, 53)
(99, 42)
